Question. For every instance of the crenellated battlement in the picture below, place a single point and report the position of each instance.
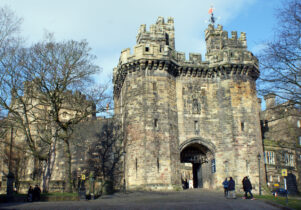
(160, 33)
(224, 49)
(155, 50)
(217, 39)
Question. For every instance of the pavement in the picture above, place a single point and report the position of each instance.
(187, 199)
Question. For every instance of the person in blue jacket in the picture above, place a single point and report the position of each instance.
(225, 184)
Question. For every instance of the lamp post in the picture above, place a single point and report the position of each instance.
(259, 157)
(124, 186)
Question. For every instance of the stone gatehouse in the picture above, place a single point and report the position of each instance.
(188, 119)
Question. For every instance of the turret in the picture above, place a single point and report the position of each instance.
(270, 100)
(224, 49)
(160, 33)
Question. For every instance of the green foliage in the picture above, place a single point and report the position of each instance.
(59, 194)
(177, 187)
(293, 202)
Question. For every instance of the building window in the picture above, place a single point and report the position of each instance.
(196, 127)
(64, 114)
(298, 124)
(146, 49)
(271, 178)
(269, 157)
(158, 164)
(299, 139)
(289, 159)
(156, 123)
(242, 126)
(154, 86)
(213, 168)
(161, 48)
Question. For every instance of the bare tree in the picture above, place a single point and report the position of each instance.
(40, 85)
(23, 108)
(281, 59)
(61, 73)
(12, 80)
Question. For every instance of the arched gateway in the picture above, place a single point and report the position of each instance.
(196, 155)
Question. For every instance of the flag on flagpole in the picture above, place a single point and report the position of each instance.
(210, 11)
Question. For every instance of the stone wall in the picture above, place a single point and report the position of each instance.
(225, 117)
(150, 109)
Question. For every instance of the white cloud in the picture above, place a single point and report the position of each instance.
(110, 26)
(257, 49)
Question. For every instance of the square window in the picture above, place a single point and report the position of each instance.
(242, 125)
(289, 159)
(269, 157)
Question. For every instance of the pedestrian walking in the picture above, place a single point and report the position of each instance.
(30, 194)
(247, 186)
(225, 184)
(231, 188)
(36, 193)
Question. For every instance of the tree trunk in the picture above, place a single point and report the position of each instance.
(48, 167)
(68, 177)
(35, 168)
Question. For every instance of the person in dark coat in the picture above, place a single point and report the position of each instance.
(246, 183)
(231, 188)
(30, 194)
(36, 193)
(225, 184)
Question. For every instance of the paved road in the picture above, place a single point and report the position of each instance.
(189, 199)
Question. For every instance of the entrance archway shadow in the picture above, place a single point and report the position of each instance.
(201, 141)
(197, 152)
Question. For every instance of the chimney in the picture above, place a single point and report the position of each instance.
(269, 100)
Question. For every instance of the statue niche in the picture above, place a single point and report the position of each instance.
(195, 106)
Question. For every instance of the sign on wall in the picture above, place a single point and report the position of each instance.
(284, 172)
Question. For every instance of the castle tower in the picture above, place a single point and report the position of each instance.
(188, 119)
(144, 95)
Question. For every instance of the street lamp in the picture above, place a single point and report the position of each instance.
(124, 187)
(259, 157)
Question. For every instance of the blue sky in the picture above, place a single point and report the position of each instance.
(111, 25)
